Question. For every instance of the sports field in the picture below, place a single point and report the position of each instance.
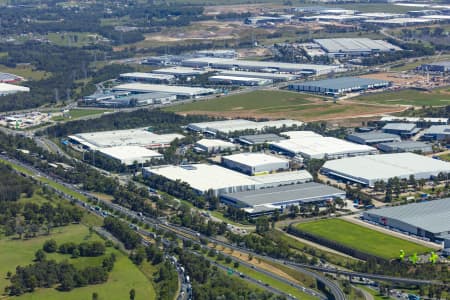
(278, 104)
(361, 238)
(437, 97)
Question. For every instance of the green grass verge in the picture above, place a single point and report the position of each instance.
(124, 276)
(361, 238)
(286, 288)
(437, 97)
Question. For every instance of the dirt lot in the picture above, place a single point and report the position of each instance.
(398, 78)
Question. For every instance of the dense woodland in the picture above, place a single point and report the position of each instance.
(122, 232)
(48, 273)
(12, 185)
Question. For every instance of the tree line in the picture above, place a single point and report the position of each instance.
(122, 232)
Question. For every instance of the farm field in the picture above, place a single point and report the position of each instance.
(124, 276)
(361, 238)
(279, 104)
(437, 97)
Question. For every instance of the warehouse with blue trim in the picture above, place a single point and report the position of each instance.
(340, 86)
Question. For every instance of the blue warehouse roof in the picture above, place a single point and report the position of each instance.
(343, 83)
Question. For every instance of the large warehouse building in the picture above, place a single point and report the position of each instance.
(369, 169)
(441, 67)
(128, 155)
(267, 200)
(437, 132)
(372, 137)
(214, 145)
(7, 89)
(257, 139)
(147, 77)
(230, 126)
(429, 219)
(264, 75)
(239, 80)
(181, 91)
(129, 137)
(420, 122)
(314, 146)
(254, 65)
(406, 146)
(203, 177)
(340, 86)
(255, 163)
(341, 47)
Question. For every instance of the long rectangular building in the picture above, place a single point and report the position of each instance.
(253, 65)
(406, 146)
(284, 196)
(355, 46)
(264, 75)
(430, 219)
(147, 77)
(180, 91)
(372, 137)
(340, 86)
(239, 80)
(236, 125)
(315, 146)
(369, 169)
(204, 177)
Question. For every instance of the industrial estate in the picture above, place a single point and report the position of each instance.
(211, 150)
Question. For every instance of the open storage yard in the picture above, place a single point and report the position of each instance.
(361, 238)
(280, 104)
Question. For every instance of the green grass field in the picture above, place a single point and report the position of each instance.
(267, 101)
(361, 238)
(276, 104)
(437, 97)
(445, 157)
(25, 71)
(124, 276)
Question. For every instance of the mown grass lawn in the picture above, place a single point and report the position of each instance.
(361, 238)
(269, 101)
(437, 97)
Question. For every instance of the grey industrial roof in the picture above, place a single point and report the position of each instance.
(438, 129)
(399, 126)
(432, 216)
(304, 192)
(261, 138)
(8, 77)
(441, 63)
(373, 136)
(406, 144)
(342, 82)
(355, 44)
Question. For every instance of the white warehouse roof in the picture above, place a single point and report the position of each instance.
(254, 64)
(215, 144)
(128, 137)
(229, 126)
(203, 177)
(413, 119)
(311, 145)
(185, 91)
(255, 159)
(6, 88)
(371, 168)
(140, 75)
(127, 155)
